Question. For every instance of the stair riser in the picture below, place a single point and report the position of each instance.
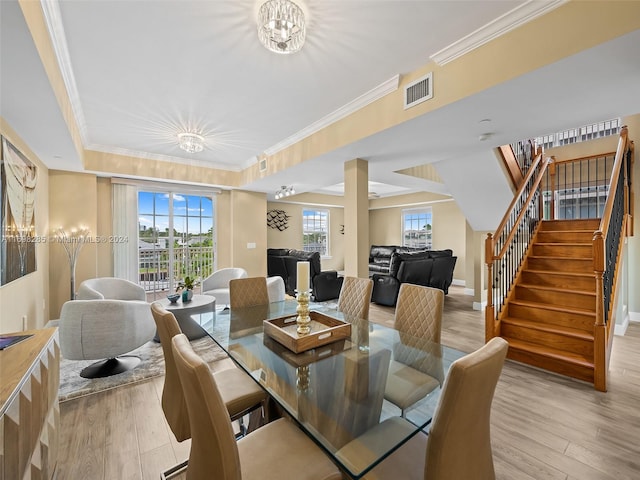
(588, 224)
(552, 364)
(551, 317)
(553, 340)
(568, 236)
(563, 250)
(558, 298)
(566, 265)
(559, 281)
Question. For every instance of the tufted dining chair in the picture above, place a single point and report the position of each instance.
(248, 292)
(416, 368)
(240, 394)
(355, 297)
(459, 442)
(277, 450)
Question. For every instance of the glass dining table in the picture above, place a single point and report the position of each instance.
(336, 392)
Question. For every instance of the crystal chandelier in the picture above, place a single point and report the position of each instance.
(191, 142)
(281, 26)
(285, 192)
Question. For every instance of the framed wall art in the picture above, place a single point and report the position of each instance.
(18, 179)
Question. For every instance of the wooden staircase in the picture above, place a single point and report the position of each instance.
(550, 316)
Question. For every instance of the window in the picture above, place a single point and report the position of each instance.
(416, 228)
(175, 239)
(315, 231)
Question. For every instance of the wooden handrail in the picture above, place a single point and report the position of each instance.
(505, 219)
(608, 206)
(587, 157)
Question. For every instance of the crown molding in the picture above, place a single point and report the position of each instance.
(505, 23)
(362, 101)
(53, 20)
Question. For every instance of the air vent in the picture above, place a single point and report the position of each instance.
(262, 164)
(418, 91)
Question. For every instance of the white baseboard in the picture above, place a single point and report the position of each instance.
(479, 306)
(469, 291)
(634, 316)
(459, 283)
(621, 328)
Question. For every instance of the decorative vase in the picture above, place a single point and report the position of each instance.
(187, 295)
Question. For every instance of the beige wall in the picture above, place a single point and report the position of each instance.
(292, 236)
(248, 226)
(73, 203)
(28, 296)
(449, 229)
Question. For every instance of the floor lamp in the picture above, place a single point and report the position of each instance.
(72, 243)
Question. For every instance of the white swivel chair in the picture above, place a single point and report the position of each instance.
(275, 289)
(110, 318)
(104, 329)
(110, 288)
(217, 284)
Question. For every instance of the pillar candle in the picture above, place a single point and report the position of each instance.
(303, 276)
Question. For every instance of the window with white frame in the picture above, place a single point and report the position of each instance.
(315, 231)
(176, 239)
(416, 227)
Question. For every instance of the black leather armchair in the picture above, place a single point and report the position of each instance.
(431, 268)
(283, 262)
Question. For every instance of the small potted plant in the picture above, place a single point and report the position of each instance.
(186, 286)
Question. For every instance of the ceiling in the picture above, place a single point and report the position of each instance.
(139, 72)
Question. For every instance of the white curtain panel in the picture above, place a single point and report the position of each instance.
(125, 224)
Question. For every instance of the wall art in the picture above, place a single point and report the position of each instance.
(278, 219)
(18, 179)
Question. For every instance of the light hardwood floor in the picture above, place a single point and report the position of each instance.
(544, 426)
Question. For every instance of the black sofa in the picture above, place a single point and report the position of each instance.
(283, 262)
(380, 256)
(431, 268)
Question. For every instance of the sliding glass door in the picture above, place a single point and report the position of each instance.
(176, 239)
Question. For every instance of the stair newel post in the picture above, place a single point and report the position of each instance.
(599, 329)
(489, 313)
(552, 187)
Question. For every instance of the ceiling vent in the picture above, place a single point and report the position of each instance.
(418, 91)
(262, 164)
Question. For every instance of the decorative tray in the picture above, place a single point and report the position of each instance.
(324, 330)
(303, 359)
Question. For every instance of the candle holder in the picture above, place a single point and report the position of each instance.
(303, 319)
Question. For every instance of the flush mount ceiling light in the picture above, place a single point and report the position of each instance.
(285, 192)
(281, 26)
(191, 142)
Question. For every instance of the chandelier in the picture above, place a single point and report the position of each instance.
(191, 142)
(281, 26)
(285, 192)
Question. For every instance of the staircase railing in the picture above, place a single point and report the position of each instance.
(607, 245)
(506, 249)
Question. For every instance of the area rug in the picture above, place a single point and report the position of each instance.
(72, 385)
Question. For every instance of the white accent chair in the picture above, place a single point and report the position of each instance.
(217, 284)
(275, 289)
(101, 326)
(110, 288)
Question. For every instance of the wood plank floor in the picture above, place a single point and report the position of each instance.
(544, 426)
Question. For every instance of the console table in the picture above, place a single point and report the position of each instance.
(29, 409)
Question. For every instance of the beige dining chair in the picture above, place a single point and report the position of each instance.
(355, 297)
(240, 394)
(459, 442)
(278, 450)
(248, 292)
(416, 368)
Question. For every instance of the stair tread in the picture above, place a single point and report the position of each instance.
(586, 244)
(550, 328)
(555, 272)
(559, 257)
(557, 308)
(550, 352)
(556, 289)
